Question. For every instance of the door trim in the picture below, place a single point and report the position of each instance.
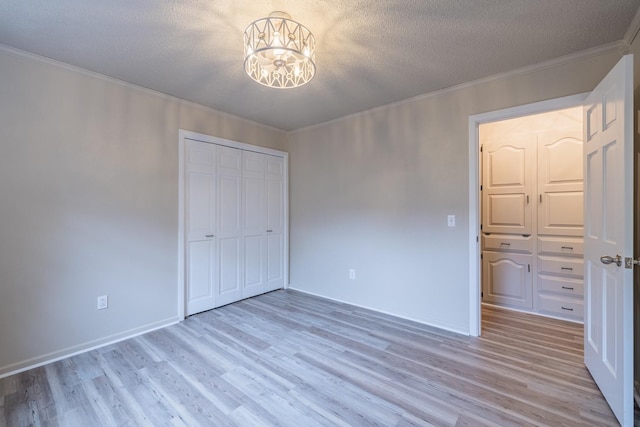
(182, 136)
(474, 188)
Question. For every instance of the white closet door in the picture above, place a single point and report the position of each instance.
(200, 226)
(253, 223)
(229, 230)
(275, 174)
(560, 197)
(507, 185)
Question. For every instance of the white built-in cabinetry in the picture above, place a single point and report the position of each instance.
(234, 224)
(532, 220)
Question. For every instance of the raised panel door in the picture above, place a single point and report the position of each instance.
(507, 279)
(507, 185)
(560, 198)
(200, 199)
(253, 223)
(275, 203)
(229, 272)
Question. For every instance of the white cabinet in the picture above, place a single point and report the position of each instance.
(507, 185)
(234, 212)
(508, 278)
(532, 219)
(560, 182)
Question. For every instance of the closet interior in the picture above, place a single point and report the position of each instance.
(532, 213)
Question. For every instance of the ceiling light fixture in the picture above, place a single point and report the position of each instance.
(279, 52)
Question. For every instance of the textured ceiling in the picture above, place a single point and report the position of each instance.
(369, 53)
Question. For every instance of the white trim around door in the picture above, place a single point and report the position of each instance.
(474, 188)
(185, 135)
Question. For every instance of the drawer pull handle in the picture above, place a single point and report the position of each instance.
(208, 235)
(566, 268)
(567, 287)
(505, 244)
(567, 308)
(568, 247)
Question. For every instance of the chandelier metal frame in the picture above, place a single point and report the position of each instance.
(279, 52)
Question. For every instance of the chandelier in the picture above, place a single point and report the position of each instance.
(279, 52)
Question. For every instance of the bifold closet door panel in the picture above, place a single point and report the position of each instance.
(253, 223)
(507, 185)
(229, 231)
(200, 226)
(275, 231)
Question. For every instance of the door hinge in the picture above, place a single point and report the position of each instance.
(480, 226)
(481, 294)
(481, 188)
(481, 256)
(529, 268)
(477, 239)
(630, 262)
(481, 148)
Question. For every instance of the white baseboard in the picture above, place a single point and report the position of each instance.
(45, 359)
(422, 322)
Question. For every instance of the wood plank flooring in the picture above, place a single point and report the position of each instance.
(290, 359)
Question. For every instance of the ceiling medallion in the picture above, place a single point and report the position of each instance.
(279, 52)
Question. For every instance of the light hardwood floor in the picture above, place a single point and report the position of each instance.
(286, 358)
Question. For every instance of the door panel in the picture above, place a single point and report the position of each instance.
(608, 164)
(507, 184)
(253, 223)
(274, 223)
(560, 178)
(507, 279)
(200, 286)
(229, 234)
(200, 226)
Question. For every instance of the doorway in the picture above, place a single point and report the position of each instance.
(474, 189)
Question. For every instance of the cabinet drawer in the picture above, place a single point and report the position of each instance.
(561, 265)
(570, 308)
(561, 245)
(507, 242)
(561, 285)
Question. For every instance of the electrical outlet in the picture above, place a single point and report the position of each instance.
(103, 302)
(352, 274)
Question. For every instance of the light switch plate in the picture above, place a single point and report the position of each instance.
(451, 220)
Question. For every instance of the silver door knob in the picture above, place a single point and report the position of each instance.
(617, 260)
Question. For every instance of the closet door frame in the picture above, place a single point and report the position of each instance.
(184, 135)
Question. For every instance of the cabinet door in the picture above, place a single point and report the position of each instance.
(253, 223)
(507, 279)
(229, 231)
(275, 203)
(507, 185)
(560, 200)
(200, 225)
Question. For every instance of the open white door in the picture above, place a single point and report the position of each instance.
(608, 239)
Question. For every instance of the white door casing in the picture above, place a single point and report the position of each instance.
(608, 185)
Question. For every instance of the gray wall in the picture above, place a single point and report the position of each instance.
(372, 192)
(89, 191)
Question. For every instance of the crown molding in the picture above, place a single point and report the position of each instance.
(633, 30)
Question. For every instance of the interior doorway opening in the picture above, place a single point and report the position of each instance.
(475, 206)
